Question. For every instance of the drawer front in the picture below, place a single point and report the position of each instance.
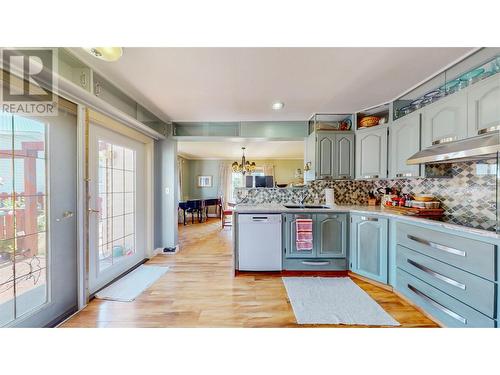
(472, 290)
(470, 255)
(315, 264)
(446, 309)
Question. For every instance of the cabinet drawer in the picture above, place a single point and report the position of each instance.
(315, 264)
(446, 309)
(473, 256)
(466, 287)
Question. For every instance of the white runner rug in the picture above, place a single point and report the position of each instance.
(333, 300)
(131, 285)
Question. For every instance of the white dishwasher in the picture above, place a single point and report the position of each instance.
(259, 242)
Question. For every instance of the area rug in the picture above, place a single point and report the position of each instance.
(333, 300)
(132, 284)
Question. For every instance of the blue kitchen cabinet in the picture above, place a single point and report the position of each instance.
(329, 250)
(369, 247)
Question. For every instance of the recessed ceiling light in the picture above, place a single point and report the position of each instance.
(105, 53)
(278, 105)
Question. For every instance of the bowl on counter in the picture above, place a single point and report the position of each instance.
(424, 197)
(282, 185)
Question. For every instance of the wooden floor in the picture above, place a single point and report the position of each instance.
(200, 290)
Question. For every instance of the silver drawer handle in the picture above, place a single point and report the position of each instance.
(437, 246)
(366, 218)
(371, 176)
(489, 129)
(437, 305)
(309, 263)
(404, 174)
(436, 275)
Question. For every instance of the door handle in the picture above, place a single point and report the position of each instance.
(93, 211)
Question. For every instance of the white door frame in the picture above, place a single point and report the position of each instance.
(85, 115)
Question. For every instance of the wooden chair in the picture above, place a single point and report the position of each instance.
(226, 213)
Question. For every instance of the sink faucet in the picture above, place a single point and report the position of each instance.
(305, 195)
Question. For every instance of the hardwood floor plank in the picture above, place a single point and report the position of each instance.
(200, 290)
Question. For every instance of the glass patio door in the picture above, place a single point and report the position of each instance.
(38, 235)
(117, 205)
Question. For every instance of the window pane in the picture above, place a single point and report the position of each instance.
(104, 154)
(104, 180)
(129, 245)
(129, 182)
(129, 224)
(105, 256)
(6, 175)
(30, 215)
(128, 163)
(29, 137)
(31, 292)
(117, 227)
(30, 255)
(118, 250)
(129, 203)
(103, 204)
(117, 181)
(6, 258)
(6, 217)
(6, 303)
(117, 204)
(29, 176)
(117, 157)
(5, 134)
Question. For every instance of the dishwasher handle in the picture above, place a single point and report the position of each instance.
(260, 218)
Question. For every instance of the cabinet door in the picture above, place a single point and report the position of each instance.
(330, 235)
(371, 153)
(404, 142)
(344, 156)
(369, 247)
(484, 105)
(445, 120)
(290, 233)
(325, 146)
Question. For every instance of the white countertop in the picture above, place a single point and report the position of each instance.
(373, 210)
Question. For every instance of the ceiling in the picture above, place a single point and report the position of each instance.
(240, 84)
(232, 150)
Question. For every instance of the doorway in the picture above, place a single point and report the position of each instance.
(117, 205)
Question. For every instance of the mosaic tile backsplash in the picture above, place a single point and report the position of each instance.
(468, 194)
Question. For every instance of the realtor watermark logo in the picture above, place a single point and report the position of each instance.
(29, 84)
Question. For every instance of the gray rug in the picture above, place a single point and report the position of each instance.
(333, 300)
(132, 284)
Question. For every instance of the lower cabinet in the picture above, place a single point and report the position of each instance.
(451, 277)
(368, 246)
(329, 250)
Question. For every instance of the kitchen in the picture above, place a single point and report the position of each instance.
(407, 200)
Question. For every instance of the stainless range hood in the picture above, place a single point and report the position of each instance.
(482, 147)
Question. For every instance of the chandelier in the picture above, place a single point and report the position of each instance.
(245, 166)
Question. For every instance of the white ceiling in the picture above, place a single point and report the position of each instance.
(232, 150)
(240, 84)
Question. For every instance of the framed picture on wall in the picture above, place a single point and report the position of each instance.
(204, 181)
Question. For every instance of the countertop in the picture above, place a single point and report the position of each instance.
(373, 210)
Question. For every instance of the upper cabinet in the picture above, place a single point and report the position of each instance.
(330, 154)
(445, 120)
(371, 153)
(404, 142)
(484, 106)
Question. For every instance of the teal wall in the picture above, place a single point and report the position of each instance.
(195, 168)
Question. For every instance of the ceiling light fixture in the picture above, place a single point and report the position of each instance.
(105, 53)
(278, 106)
(245, 166)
